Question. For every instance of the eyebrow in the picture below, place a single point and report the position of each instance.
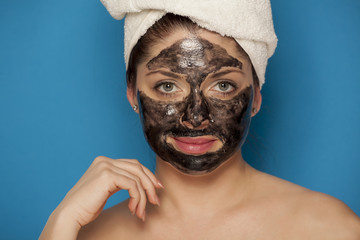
(168, 74)
(222, 73)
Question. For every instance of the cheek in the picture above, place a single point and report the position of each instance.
(157, 114)
(232, 116)
(227, 112)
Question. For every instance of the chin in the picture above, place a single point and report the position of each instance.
(197, 165)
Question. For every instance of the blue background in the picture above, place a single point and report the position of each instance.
(63, 102)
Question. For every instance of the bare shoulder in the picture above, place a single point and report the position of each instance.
(111, 223)
(324, 214)
(313, 215)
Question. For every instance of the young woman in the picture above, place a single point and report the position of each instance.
(196, 92)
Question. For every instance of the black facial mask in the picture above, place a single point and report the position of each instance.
(228, 120)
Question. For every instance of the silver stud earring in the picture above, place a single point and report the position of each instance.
(135, 107)
(254, 110)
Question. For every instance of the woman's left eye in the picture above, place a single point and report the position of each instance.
(224, 87)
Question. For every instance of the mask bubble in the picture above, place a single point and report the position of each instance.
(170, 110)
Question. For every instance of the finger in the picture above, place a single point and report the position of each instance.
(140, 209)
(136, 169)
(132, 205)
(134, 202)
(122, 180)
(155, 181)
(152, 177)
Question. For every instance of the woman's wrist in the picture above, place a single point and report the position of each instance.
(60, 225)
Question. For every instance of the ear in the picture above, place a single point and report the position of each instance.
(131, 96)
(257, 101)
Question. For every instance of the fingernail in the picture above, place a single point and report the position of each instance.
(143, 218)
(160, 185)
(157, 200)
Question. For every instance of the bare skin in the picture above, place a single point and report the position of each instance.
(265, 208)
(234, 201)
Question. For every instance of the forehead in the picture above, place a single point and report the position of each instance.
(193, 54)
(215, 45)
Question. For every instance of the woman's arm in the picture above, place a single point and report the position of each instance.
(85, 201)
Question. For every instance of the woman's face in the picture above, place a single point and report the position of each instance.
(195, 95)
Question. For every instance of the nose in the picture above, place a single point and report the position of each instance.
(197, 112)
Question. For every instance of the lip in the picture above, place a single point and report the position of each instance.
(194, 145)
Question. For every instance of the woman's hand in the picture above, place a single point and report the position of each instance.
(85, 201)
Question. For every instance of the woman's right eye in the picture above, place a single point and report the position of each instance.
(167, 87)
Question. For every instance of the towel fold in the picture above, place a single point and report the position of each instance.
(249, 22)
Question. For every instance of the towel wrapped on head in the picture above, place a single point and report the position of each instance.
(249, 22)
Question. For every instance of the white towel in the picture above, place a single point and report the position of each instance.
(249, 22)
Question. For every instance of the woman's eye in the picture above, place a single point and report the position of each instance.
(224, 87)
(167, 87)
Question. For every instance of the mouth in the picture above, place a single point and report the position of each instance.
(195, 145)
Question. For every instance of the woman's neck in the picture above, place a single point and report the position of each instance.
(219, 190)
